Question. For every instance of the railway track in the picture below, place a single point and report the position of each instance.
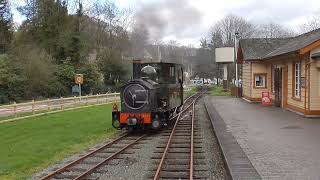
(182, 150)
(91, 162)
(85, 166)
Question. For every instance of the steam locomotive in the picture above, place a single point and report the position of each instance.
(148, 100)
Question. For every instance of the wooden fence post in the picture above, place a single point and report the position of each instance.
(87, 100)
(33, 105)
(98, 98)
(48, 104)
(15, 109)
(107, 98)
(75, 101)
(61, 103)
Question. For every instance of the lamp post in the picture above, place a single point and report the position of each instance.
(235, 55)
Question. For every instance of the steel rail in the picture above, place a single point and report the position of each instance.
(80, 159)
(192, 137)
(166, 149)
(192, 142)
(157, 175)
(187, 99)
(109, 158)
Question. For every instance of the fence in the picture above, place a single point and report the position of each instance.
(34, 108)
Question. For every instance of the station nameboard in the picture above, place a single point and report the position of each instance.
(78, 78)
(224, 55)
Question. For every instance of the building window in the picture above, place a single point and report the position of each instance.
(260, 80)
(172, 71)
(297, 77)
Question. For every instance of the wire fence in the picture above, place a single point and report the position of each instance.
(17, 111)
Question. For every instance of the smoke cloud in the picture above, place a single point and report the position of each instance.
(168, 17)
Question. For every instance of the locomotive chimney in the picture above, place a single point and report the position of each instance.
(136, 68)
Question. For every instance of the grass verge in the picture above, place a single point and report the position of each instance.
(33, 144)
(218, 91)
(190, 92)
(18, 115)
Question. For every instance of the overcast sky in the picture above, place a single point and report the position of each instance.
(188, 20)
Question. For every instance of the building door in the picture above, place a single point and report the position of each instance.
(278, 87)
(285, 87)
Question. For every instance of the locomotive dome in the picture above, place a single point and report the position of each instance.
(149, 70)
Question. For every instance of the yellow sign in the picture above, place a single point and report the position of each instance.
(78, 79)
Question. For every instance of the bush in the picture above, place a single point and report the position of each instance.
(65, 76)
(93, 82)
(199, 88)
(12, 82)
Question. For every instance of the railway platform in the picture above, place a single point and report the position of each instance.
(280, 144)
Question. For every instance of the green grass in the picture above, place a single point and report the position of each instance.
(218, 91)
(192, 91)
(29, 145)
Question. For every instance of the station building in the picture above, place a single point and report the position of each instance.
(287, 68)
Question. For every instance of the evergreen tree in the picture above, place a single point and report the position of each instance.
(47, 25)
(6, 31)
(205, 62)
(75, 45)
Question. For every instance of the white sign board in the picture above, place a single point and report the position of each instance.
(225, 55)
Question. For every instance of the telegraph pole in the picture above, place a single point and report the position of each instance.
(235, 56)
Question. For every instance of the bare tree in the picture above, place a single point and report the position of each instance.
(215, 37)
(272, 30)
(106, 28)
(223, 34)
(205, 66)
(139, 38)
(313, 23)
(227, 27)
(110, 22)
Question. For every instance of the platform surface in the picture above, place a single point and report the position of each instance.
(237, 162)
(280, 144)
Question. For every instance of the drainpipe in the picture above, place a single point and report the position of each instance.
(309, 86)
(251, 79)
(235, 57)
(305, 91)
(307, 71)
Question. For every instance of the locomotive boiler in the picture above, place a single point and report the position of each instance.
(153, 94)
